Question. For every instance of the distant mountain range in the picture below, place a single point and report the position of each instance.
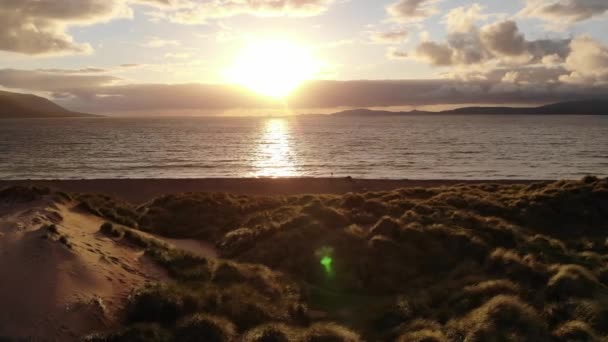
(15, 105)
(586, 107)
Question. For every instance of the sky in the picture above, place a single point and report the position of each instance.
(161, 56)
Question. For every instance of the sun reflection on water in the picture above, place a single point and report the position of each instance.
(275, 157)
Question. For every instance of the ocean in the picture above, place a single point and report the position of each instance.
(408, 147)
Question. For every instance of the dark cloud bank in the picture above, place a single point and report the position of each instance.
(101, 93)
(315, 95)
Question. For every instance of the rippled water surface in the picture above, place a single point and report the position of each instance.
(417, 147)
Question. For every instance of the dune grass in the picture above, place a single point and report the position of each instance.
(118, 211)
(522, 262)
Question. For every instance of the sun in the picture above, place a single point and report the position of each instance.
(273, 67)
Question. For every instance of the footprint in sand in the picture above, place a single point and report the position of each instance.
(103, 258)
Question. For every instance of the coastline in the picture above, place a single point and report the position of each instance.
(141, 190)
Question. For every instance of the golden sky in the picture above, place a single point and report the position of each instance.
(226, 55)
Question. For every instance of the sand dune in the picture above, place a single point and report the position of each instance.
(63, 282)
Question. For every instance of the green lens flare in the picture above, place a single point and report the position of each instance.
(326, 261)
(324, 255)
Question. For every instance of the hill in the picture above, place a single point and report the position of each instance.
(586, 107)
(16, 105)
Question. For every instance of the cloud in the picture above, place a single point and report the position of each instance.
(538, 75)
(41, 27)
(38, 27)
(504, 38)
(394, 53)
(323, 94)
(565, 11)
(195, 13)
(330, 94)
(530, 75)
(459, 49)
(497, 43)
(463, 19)
(587, 63)
(73, 71)
(390, 37)
(167, 97)
(54, 81)
(155, 42)
(161, 3)
(102, 93)
(435, 53)
(412, 10)
(178, 55)
(500, 53)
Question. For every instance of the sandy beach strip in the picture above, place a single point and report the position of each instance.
(141, 190)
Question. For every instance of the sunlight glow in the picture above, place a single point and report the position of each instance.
(274, 156)
(273, 67)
